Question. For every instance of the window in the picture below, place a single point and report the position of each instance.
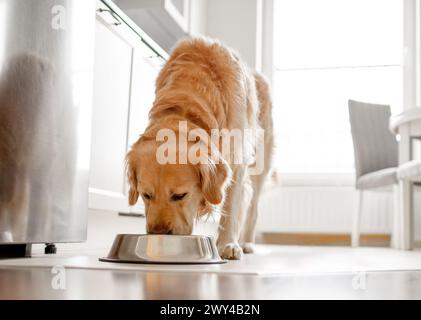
(326, 52)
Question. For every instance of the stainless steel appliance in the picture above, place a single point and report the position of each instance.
(46, 75)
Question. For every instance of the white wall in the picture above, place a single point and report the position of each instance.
(198, 12)
(412, 53)
(235, 23)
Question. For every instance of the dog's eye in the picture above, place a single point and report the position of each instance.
(178, 197)
(147, 196)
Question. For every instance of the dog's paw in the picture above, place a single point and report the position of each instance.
(248, 247)
(231, 251)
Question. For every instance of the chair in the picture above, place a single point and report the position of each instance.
(410, 170)
(376, 158)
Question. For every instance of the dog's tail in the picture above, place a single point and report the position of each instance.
(265, 100)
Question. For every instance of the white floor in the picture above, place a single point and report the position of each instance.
(268, 260)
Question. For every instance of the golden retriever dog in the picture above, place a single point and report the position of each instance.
(204, 87)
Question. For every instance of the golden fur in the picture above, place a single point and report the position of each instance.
(207, 85)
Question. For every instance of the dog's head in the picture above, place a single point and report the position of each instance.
(174, 194)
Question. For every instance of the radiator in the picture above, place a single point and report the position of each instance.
(323, 209)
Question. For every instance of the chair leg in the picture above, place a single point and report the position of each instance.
(355, 236)
(406, 225)
(395, 241)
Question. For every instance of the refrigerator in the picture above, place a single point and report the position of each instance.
(46, 80)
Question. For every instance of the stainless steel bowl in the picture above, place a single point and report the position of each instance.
(163, 249)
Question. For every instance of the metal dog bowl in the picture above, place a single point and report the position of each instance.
(163, 249)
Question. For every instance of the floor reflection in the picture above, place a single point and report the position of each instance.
(36, 283)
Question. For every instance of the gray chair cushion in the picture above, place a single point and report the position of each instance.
(375, 147)
(377, 179)
(410, 171)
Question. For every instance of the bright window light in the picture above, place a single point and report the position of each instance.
(325, 53)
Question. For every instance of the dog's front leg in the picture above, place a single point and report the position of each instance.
(232, 217)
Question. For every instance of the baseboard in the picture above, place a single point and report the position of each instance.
(320, 239)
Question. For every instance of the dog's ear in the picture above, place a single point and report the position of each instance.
(132, 180)
(214, 179)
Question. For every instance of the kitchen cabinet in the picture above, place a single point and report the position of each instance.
(167, 21)
(179, 11)
(124, 84)
(145, 70)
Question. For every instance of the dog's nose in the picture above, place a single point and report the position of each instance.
(159, 229)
